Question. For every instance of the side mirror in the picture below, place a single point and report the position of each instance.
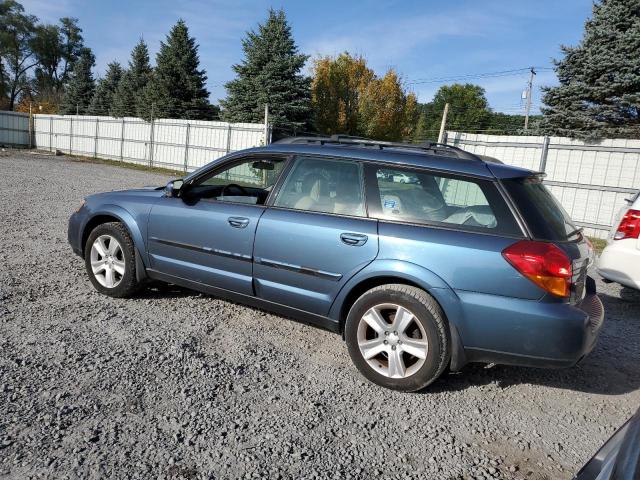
(173, 188)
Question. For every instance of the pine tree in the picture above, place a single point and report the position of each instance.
(79, 90)
(177, 86)
(270, 74)
(102, 100)
(599, 91)
(131, 86)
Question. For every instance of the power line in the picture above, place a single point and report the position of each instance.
(472, 76)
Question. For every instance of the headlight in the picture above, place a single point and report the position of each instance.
(78, 209)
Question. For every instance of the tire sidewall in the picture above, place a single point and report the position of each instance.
(128, 279)
(433, 364)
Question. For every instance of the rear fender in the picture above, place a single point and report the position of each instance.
(407, 272)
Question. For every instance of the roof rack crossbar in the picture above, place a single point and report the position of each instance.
(381, 144)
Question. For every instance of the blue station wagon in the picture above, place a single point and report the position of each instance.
(423, 257)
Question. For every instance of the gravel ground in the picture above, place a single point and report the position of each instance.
(174, 384)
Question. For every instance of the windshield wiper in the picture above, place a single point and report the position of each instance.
(575, 232)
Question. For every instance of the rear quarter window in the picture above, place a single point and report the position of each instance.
(416, 196)
(542, 212)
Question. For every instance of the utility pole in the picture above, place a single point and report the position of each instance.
(443, 124)
(529, 91)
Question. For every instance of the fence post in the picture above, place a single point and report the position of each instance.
(122, 140)
(228, 138)
(151, 144)
(95, 140)
(30, 128)
(266, 124)
(71, 136)
(544, 153)
(51, 133)
(186, 148)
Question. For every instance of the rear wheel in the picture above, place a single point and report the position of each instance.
(110, 260)
(397, 337)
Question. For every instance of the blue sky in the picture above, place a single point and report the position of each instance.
(422, 40)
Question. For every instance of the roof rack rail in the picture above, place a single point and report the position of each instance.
(381, 144)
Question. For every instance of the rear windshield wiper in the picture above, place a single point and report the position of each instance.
(575, 232)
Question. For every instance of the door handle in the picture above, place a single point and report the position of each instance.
(354, 239)
(238, 222)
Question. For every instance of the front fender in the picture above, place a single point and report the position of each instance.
(126, 218)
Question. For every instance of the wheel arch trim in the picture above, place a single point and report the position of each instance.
(380, 272)
(124, 217)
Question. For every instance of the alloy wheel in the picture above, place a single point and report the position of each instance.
(107, 261)
(392, 340)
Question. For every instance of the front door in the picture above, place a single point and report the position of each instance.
(207, 234)
(315, 237)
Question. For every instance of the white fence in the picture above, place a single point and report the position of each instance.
(177, 144)
(590, 180)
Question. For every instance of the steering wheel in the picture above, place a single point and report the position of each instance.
(244, 192)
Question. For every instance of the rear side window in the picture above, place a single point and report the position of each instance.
(422, 197)
(544, 215)
(323, 185)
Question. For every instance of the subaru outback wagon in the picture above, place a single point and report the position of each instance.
(424, 257)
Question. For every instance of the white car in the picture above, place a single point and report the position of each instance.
(620, 260)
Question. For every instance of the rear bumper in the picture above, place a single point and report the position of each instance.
(530, 333)
(620, 262)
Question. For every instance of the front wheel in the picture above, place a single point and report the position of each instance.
(397, 337)
(110, 260)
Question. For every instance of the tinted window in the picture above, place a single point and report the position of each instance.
(544, 215)
(248, 181)
(319, 185)
(422, 197)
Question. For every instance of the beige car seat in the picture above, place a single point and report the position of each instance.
(316, 198)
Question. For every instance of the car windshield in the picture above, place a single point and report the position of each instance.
(544, 215)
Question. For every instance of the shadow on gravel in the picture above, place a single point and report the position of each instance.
(165, 290)
(612, 368)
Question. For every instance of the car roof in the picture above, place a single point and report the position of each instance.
(482, 166)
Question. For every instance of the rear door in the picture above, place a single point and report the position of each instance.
(315, 236)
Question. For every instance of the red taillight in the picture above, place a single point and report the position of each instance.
(629, 226)
(543, 263)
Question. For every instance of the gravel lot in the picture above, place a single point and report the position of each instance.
(174, 384)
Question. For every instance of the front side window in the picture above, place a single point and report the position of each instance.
(249, 181)
(423, 197)
(321, 185)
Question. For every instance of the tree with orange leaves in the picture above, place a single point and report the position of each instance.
(349, 98)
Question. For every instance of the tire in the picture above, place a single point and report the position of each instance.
(424, 323)
(121, 261)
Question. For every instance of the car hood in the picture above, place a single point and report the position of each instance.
(154, 192)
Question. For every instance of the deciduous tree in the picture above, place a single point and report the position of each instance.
(348, 97)
(17, 31)
(468, 111)
(57, 48)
